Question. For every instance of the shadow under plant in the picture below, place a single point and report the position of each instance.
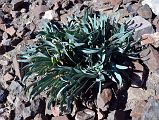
(88, 63)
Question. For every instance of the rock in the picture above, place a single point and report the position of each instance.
(27, 113)
(140, 94)
(141, 26)
(7, 7)
(61, 118)
(38, 10)
(50, 14)
(19, 107)
(4, 62)
(145, 12)
(6, 42)
(5, 36)
(151, 39)
(56, 111)
(138, 110)
(11, 98)
(8, 77)
(150, 58)
(41, 117)
(103, 99)
(15, 14)
(153, 4)
(15, 88)
(85, 114)
(2, 27)
(151, 110)
(3, 95)
(11, 31)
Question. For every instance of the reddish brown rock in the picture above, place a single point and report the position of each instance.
(2, 27)
(138, 110)
(38, 10)
(151, 39)
(11, 31)
(60, 118)
(151, 59)
(103, 99)
(8, 77)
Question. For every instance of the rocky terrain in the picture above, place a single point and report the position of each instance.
(21, 19)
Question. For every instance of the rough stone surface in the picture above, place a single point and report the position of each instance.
(60, 118)
(153, 4)
(141, 26)
(151, 39)
(151, 56)
(145, 12)
(103, 99)
(151, 110)
(85, 114)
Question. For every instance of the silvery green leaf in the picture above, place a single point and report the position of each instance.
(118, 77)
(90, 51)
(121, 67)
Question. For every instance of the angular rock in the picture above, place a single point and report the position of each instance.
(60, 118)
(15, 88)
(151, 59)
(11, 31)
(3, 62)
(56, 111)
(103, 99)
(141, 26)
(151, 110)
(140, 94)
(6, 42)
(8, 77)
(7, 7)
(5, 36)
(85, 114)
(145, 12)
(2, 27)
(138, 110)
(38, 10)
(151, 39)
(50, 14)
(153, 4)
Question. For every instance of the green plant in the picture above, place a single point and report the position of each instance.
(80, 56)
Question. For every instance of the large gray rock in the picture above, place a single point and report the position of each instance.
(151, 111)
(141, 26)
